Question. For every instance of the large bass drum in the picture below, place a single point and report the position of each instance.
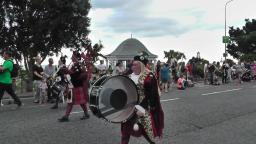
(113, 98)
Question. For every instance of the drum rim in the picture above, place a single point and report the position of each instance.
(103, 82)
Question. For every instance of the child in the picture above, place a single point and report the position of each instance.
(43, 88)
(181, 83)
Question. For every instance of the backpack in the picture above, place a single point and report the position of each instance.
(15, 70)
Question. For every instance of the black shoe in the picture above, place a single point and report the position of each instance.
(9, 102)
(19, 104)
(85, 116)
(54, 107)
(63, 119)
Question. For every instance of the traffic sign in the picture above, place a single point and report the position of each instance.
(225, 39)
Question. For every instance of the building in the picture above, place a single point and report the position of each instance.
(127, 50)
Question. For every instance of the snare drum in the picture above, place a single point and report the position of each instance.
(113, 98)
(57, 88)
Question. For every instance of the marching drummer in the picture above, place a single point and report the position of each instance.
(63, 82)
(149, 118)
(79, 92)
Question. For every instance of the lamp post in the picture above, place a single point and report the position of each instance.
(225, 54)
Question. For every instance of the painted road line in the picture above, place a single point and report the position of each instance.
(221, 91)
(254, 86)
(160, 100)
(77, 112)
(27, 98)
(170, 100)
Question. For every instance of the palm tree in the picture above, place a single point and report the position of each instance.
(174, 54)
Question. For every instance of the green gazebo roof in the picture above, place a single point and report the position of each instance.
(128, 49)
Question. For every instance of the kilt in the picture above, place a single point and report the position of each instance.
(79, 96)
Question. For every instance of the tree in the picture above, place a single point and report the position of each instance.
(173, 54)
(42, 27)
(198, 64)
(243, 41)
(230, 62)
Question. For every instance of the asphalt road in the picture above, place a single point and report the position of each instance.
(204, 114)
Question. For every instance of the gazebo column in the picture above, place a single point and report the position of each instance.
(107, 63)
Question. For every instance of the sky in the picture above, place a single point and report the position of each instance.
(187, 26)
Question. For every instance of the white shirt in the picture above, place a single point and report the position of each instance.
(118, 70)
(101, 67)
(135, 78)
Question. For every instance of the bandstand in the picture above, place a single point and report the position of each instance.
(127, 50)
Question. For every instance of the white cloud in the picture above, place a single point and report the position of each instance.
(186, 26)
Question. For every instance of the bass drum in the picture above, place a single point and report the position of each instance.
(113, 98)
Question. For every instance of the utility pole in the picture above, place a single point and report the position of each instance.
(225, 54)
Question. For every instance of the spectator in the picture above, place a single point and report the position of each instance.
(38, 79)
(164, 77)
(49, 70)
(128, 70)
(181, 83)
(211, 69)
(189, 71)
(102, 69)
(205, 73)
(119, 69)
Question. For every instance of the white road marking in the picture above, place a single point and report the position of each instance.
(77, 112)
(254, 86)
(222, 91)
(7, 99)
(170, 99)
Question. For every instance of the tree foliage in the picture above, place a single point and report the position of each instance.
(243, 41)
(42, 27)
(174, 54)
(230, 62)
(198, 64)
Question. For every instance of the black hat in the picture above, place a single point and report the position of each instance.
(77, 55)
(142, 57)
(63, 59)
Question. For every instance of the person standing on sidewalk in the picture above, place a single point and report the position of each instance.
(6, 79)
(49, 70)
(164, 77)
(38, 79)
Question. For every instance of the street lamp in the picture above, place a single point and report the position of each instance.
(225, 54)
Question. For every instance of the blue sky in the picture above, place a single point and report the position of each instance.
(187, 26)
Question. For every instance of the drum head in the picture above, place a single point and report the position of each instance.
(117, 98)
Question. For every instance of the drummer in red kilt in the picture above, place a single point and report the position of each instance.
(79, 81)
(149, 123)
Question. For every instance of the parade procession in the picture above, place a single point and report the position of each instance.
(127, 72)
(132, 100)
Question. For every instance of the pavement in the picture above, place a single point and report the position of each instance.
(204, 114)
(20, 95)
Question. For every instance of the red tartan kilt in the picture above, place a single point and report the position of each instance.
(79, 97)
